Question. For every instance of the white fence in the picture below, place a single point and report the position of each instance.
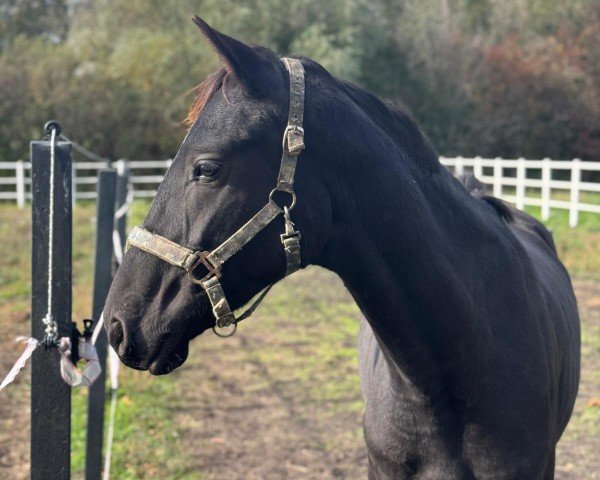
(15, 181)
(525, 178)
(522, 182)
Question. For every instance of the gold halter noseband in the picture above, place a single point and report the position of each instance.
(191, 261)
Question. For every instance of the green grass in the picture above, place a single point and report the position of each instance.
(146, 443)
(578, 247)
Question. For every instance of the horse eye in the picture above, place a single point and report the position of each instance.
(205, 170)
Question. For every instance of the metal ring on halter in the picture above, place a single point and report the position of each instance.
(292, 194)
(214, 329)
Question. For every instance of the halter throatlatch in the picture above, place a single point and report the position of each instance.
(204, 268)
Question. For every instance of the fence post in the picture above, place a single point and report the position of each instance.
(521, 175)
(50, 395)
(575, 185)
(546, 179)
(497, 177)
(107, 180)
(477, 167)
(74, 182)
(20, 183)
(458, 166)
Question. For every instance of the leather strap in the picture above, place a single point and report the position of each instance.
(293, 137)
(246, 233)
(162, 247)
(220, 307)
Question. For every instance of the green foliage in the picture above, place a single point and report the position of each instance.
(33, 18)
(482, 77)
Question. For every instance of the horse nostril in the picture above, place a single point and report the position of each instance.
(116, 335)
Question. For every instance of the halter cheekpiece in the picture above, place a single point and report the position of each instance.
(204, 268)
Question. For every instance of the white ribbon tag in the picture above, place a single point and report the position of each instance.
(70, 373)
(118, 250)
(115, 364)
(98, 328)
(32, 344)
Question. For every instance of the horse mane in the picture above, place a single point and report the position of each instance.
(392, 119)
(204, 92)
(506, 211)
(396, 122)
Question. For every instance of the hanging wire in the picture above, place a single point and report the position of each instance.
(51, 327)
(85, 152)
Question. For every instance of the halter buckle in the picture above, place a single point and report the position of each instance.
(205, 262)
(293, 140)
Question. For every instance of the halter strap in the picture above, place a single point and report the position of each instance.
(162, 247)
(246, 233)
(189, 260)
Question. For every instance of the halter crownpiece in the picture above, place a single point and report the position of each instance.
(210, 263)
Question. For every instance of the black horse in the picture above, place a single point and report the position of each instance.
(469, 354)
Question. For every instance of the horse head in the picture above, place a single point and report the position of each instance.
(221, 176)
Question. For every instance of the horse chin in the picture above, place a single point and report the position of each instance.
(166, 362)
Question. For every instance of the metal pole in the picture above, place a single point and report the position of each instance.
(50, 395)
(107, 181)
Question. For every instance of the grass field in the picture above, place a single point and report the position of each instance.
(280, 399)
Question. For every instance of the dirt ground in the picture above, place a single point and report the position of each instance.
(257, 427)
(280, 400)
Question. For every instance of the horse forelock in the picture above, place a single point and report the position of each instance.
(204, 92)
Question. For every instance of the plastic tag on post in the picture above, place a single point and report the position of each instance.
(32, 344)
(114, 365)
(68, 370)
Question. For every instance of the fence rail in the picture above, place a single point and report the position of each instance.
(532, 182)
(520, 181)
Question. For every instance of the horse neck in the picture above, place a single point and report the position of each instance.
(409, 253)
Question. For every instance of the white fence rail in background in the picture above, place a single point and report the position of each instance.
(522, 182)
(15, 178)
(537, 176)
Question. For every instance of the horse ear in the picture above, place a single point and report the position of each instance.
(243, 61)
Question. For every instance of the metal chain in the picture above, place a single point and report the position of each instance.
(51, 331)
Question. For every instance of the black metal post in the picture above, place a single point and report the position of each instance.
(50, 395)
(107, 181)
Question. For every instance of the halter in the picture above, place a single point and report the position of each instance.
(204, 268)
